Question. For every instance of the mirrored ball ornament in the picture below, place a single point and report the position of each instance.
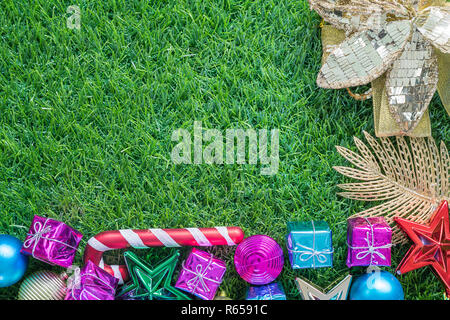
(13, 264)
(376, 285)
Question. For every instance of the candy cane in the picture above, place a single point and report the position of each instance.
(141, 239)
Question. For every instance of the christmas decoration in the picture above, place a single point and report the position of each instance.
(43, 285)
(414, 180)
(308, 291)
(431, 245)
(369, 242)
(91, 283)
(309, 244)
(149, 283)
(272, 291)
(259, 259)
(393, 39)
(13, 264)
(201, 274)
(221, 296)
(376, 285)
(51, 241)
(140, 239)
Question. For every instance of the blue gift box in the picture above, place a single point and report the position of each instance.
(309, 244)
(272, 291)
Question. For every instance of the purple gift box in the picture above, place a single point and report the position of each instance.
(91, 283)
(271, 291)
(201, 274)
(51, 241)
(369, 242)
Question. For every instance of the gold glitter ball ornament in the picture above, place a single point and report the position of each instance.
(43, 285)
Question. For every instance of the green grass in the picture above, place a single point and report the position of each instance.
(86, 119)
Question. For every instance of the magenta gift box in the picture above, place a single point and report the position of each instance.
(369, 242)
(51, 241)
(92, 283)
(201, 274)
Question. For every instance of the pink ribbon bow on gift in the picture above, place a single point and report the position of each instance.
(39, 230)
(200, 276)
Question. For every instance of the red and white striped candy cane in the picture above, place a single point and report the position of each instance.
(141, 239)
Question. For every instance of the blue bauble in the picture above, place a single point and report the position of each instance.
(376, 286)
(12, 263)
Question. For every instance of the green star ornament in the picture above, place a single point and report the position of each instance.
(147, 283)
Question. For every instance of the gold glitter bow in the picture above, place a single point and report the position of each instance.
(401, 46)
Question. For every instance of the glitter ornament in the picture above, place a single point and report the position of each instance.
(395, 42)
(408, 180)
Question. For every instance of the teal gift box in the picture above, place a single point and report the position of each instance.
(309, 244)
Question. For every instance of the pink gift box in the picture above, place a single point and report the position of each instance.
(91, 283)
(51, 241)
(201, 274)
(369, 242)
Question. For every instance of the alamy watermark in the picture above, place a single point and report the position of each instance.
(74, 21)
(235, 147)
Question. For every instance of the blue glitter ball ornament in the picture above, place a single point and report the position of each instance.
(13, 264)
(376, 285)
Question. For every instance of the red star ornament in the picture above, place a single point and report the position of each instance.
(431, 245)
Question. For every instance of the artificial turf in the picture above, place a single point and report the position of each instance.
(86, 118)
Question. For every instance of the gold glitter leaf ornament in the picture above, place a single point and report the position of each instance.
(433, 23)
(412, 181)
(411, 82)
(364, 56)
(392, 38)
(357, 15)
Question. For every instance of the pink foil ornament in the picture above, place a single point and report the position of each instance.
(51, 241)
(91, 283)
(369, 242)
(259, 259)
(201, 274)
